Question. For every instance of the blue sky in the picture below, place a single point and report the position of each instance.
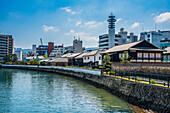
(59, 21)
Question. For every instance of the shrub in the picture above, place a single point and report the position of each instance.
(111, 72)
(138, 79)
(8, 62)
(153, 82)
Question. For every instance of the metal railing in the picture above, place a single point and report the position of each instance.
(140, 76)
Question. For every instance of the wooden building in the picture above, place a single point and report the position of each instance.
(55, 62)
(140, 51)
(71, 58)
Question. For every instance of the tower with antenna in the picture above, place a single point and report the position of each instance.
(41, 41)
(111, 32)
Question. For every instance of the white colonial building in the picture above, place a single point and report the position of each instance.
(90, 58)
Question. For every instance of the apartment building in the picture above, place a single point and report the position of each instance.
(6, 45)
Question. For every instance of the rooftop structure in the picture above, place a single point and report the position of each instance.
(154, 37)
(164, 43)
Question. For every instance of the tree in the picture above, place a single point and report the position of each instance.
(35, 62)
(14, 57)
(125, 58)
(23, 55)
(7, 58)
(45, 56)
(106, 64)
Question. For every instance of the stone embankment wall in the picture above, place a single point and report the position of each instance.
(147, 96)
(145, 68)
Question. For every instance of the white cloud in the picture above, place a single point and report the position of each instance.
(82, 35)
(164, 17)
(136, 24)
(69, 10)
(48, 28)
(119, 19)
(71, 32)
(78, 23)
(93, 24)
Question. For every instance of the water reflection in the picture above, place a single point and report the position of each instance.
(31, 91)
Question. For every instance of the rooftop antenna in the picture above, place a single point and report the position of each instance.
(41, 41)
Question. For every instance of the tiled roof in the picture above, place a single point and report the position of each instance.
(59, 60)
(91, 53)
(129, 46)
(80, 56)
(122, 47)
(70, 55)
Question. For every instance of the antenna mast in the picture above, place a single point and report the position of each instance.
(41, 41)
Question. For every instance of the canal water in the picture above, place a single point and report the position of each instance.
(30, 91)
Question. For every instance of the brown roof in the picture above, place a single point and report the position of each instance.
(146, 49)
(128, 46)
(91, 53)
(80, 56)
(59, 60)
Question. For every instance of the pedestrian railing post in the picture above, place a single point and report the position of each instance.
(149, 79)
(168, 82)
(135, 76)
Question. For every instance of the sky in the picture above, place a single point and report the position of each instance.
(59, 21)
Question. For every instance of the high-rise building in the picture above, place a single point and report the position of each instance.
(50, 47)
(107, 41)
(77, 46)
(132, 38)
(6, 45)
(154, 37)
(57, 51)
(111, 32)
(42, 50)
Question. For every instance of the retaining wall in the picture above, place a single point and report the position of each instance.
(143, 95)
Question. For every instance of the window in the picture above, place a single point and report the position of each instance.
(99, 58)
(88, 57)
(151, 55)
(145, 55)
(168, 57)
(158, 55)
(120, 55)
(84, 58)
(139, 55)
